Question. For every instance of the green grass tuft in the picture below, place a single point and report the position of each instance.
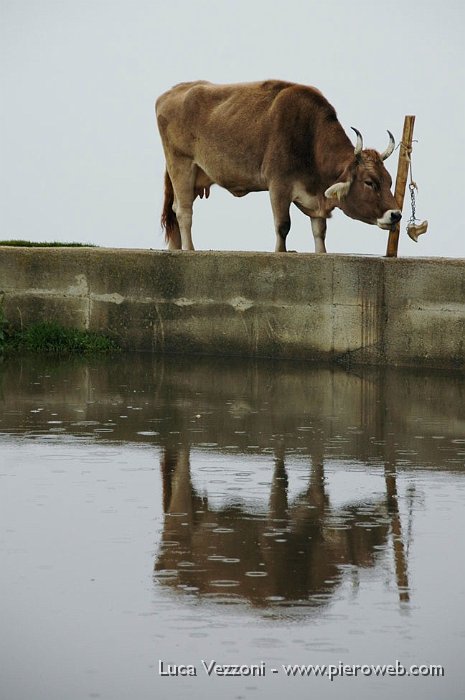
(54, 244)
(55, 339)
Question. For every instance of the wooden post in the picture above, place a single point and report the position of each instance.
(401, 181)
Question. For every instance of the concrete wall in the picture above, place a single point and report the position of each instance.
(358, 309)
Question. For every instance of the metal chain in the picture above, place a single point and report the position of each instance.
(412, 187)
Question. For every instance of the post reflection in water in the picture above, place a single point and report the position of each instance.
(400, 558)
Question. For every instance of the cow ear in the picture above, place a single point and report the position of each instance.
(339, 190)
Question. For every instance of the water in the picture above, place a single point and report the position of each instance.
(159, 513)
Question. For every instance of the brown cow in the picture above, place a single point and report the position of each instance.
(271, 136)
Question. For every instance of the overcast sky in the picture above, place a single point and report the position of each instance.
(81, 158)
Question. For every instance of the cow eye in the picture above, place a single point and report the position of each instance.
(370, 183)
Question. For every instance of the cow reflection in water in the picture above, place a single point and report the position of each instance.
(293, 552)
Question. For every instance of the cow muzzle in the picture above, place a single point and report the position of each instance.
(389, 219)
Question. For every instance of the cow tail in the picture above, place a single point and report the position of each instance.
(169, 221)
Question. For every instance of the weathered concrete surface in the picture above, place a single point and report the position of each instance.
(358, 309)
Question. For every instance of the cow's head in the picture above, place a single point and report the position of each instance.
(364, 190)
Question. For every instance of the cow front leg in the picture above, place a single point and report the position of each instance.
(319, 233)
(280, 203)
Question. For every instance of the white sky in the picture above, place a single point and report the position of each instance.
(81, 157)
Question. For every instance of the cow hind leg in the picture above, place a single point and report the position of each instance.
(183, 208)
(319, 233)
(280, 203)
(169, 221)
(174, 241)
(182, 174)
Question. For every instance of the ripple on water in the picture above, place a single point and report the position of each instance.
(166, 574)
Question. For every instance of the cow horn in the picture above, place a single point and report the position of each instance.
(359, 145)
(385, 154)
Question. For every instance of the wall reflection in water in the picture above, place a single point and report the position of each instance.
(297, 549)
